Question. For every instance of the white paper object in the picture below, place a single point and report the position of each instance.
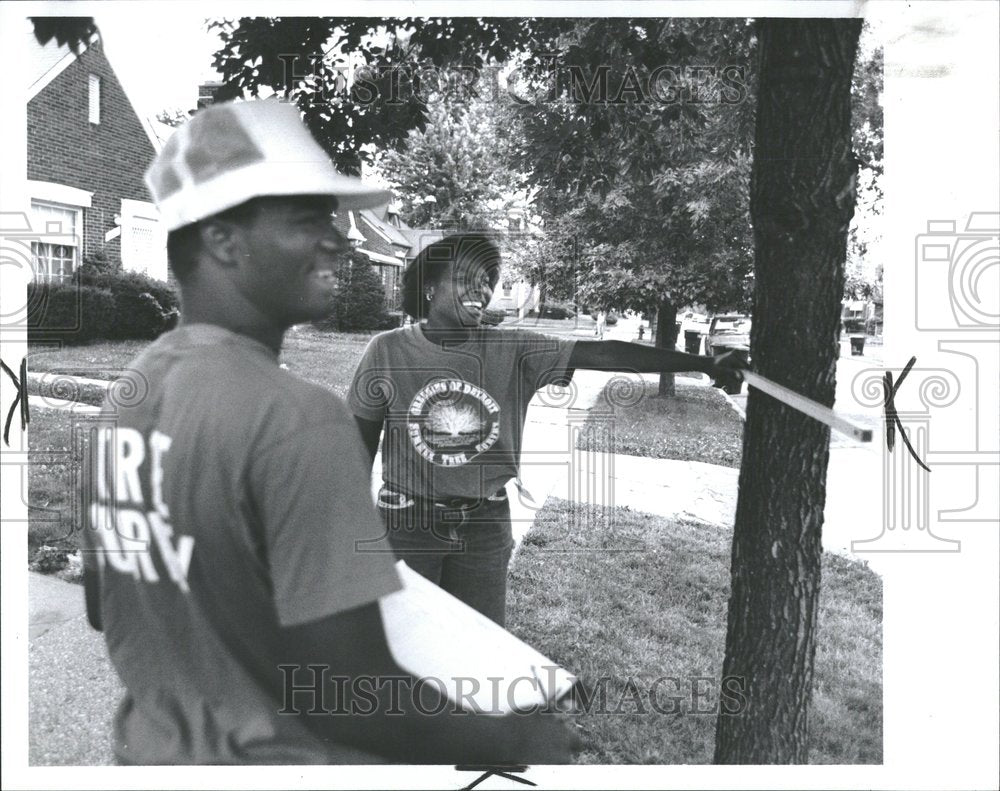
(468, 657)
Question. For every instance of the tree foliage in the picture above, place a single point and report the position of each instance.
(172, 116)
(363, 82)
(71, 31)
(643, 170)
(459, 160)
(864, 269)
(360, 300)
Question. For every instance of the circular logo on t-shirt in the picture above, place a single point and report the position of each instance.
(452, 421)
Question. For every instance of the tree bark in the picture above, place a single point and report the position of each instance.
(666, 338)
(802, 200)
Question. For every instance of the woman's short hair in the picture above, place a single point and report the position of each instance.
(438, 259)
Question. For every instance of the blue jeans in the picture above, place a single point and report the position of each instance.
(466, 551)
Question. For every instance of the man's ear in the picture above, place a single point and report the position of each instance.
(223, 241)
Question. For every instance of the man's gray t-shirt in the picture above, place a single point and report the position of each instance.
(226, 503)
(454, 414)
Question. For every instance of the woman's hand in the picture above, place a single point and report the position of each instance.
(725, 370)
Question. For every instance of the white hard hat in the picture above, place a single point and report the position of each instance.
(231, 152)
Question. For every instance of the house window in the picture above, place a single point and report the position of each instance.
(94, 98)
(507, 286)
(56, 252)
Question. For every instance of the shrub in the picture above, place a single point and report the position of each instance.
(360, 301)
(98, 263)
(144, 307)
(69, 312)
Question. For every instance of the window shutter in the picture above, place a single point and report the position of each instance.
(94, 95)
(143, 242)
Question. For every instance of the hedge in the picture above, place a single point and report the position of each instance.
(142, 304)
(75, 314)
(101, 305)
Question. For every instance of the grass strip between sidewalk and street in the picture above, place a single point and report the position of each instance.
(635, 605)
(697, 424)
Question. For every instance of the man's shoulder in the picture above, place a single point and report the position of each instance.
(233, 378)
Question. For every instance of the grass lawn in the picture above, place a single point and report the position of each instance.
(54, 498)
(659, 612)
(56, 441)
(695, 425)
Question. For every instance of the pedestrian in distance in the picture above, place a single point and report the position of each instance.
(448, 397)
(601, 323)
(226, 506)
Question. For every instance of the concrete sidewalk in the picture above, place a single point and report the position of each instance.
(72, 688)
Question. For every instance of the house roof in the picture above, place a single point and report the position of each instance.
(45, 63)
(419, 238)
(389, 232)
(384, 242)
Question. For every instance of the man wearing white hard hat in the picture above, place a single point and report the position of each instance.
(226, 504)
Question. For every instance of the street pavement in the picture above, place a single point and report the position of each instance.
(73, 689)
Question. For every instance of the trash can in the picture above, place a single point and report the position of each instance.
(692, 341)
(858, 346)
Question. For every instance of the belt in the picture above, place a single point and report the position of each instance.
(393, 499)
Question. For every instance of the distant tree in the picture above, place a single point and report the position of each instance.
(458, 159)
(173, 116)
(865, 235)
(360, 300)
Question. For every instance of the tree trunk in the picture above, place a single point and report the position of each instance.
(802, 200)
(666, 338)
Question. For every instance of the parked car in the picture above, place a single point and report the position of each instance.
(556, 310)
(727, 332)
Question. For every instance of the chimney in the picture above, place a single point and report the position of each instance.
(207, 92)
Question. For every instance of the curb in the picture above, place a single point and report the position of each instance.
(49, 402)
(733, 405)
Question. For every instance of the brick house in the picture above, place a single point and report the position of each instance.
(87, 152)
(381, 236)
